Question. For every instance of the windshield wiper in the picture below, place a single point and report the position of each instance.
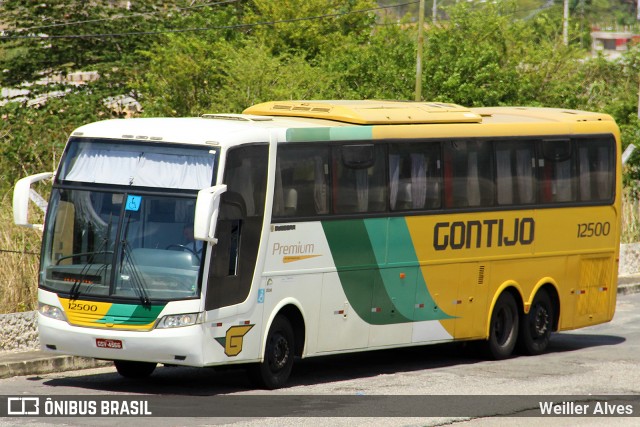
(139, 285)
(137, 279)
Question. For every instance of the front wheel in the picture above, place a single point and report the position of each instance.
(535, 326)
(129, 369)
(276, 368)
(503, 330)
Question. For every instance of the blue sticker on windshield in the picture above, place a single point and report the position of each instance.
(133, 203)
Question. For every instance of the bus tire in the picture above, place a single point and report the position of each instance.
(274, 371)
(503, 329)
(535, 326)
(129, 369)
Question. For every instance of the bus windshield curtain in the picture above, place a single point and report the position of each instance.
(141, 169)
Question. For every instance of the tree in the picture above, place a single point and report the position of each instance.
(43, 39)
(258, 58)
(309, 26)
(32, 139)
(467, 58)
(375, 69)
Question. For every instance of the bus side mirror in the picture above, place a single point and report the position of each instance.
(22, 193)
(207, 208)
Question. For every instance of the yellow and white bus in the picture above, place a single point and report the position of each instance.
(300, 229)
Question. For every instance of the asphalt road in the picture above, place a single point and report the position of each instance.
(395, 387)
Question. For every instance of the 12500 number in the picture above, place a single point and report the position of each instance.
(82, 307)
(593, 229)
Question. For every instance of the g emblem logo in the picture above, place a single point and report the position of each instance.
(232, 342)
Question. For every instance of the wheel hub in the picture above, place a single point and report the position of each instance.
(540, 324)
(279, 354)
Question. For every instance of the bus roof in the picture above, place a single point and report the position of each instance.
(298, 119)
(369, 112)
(537, 114)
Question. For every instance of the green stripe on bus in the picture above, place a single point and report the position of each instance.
(411, 289)
(346, 133)
(131, 314)
(378, 291)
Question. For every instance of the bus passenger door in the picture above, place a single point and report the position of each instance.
(239, 227)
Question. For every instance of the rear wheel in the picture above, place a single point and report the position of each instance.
(535, 326)
(503, 330)
(276, 368)
(129, 369)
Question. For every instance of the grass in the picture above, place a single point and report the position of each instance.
(19, 258)
(630, 220)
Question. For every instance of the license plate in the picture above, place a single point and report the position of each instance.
(106, 343)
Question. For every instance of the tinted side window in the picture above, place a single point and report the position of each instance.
(596, 169)
(468, 174)
(414, 176)
(515, 173)
(557, 175)
(359, 183)
(302, 180)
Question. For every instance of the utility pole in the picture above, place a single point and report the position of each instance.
(419, 54)
(434, 12)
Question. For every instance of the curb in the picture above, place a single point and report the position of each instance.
(629, 289)
(629, 284)
(38, 362)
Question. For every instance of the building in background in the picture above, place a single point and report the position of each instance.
(612, 44)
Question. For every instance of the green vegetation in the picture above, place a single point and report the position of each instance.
(192, 57)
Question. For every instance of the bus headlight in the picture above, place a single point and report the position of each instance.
(51, 311)
(179, 320)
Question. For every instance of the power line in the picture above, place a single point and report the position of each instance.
(202, 29)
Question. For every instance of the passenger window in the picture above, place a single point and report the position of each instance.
(414, 176)
(515, 173)
(558, 183)
(245, 176)
(302, 176)
(359, 183)
(596, 170)
(468, 174)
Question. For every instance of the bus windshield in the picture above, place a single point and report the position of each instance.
(123, 245)
(120, 220)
